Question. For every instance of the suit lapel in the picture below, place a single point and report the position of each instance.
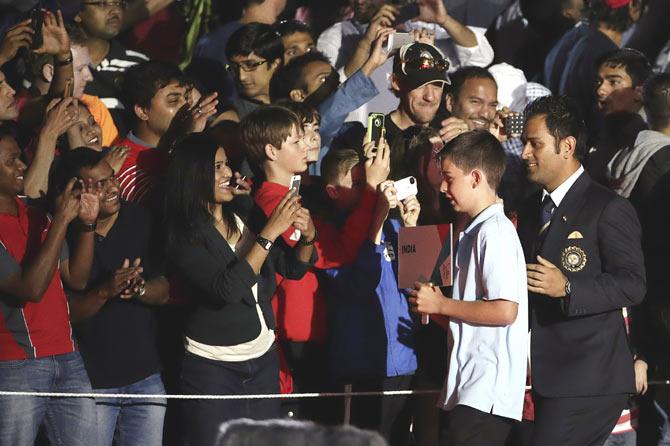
(564, 216)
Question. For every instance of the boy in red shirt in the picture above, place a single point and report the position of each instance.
(274, 140)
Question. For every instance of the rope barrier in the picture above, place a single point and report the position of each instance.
(217, 397)
(241, 397)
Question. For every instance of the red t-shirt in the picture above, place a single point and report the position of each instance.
(141, 170)
(299, 305)
(32, 330)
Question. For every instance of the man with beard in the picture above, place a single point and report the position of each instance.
(113, 318)
(472, 101)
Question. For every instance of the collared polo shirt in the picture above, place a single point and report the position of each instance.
(487, 365)
(31, 329)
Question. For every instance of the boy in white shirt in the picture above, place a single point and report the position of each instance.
(488, 312)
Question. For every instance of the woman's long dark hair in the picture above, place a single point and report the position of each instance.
(189, 190)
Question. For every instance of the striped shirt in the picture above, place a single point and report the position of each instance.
(108, 78)
(142, 169)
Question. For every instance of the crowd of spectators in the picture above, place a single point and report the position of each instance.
(191, 203)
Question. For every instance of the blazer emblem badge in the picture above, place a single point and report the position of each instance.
(573, 258)
(575, 235)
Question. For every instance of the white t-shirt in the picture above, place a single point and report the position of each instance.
(247, 350)
(487, 365)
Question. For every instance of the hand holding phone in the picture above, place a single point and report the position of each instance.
(375, 130)
(405, 188)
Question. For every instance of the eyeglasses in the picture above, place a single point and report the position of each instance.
(108, 4)
(246, 66)
(424, 63)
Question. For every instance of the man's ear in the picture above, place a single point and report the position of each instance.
(567, 147)
(637, 93)
(275, 64)
(77, 18)
(449, 102)
(331, 191)
(297, 95)
(48, 72)
(477, 177)
(395, 86)
(271, 152)
(635, 10)
(141, 112)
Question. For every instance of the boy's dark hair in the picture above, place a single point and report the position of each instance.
(656, 100)
(70, 163)
(307, 113)
(632, 61)
(562, 118)
(598, 12)
(477, 149)
(142, 82)
(461, 75)
(257, 38)
(290, 76)
(287, 27)
(269, 124)
(337, 163)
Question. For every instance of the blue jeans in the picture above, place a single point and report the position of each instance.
(69, 421)
(204, 376)
(137, 421)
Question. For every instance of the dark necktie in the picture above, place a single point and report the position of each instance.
(546, 212)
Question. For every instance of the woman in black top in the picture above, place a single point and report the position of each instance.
(230, 278)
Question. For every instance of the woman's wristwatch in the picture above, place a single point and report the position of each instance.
(265, 243)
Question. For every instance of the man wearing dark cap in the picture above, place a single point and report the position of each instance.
(419, 75)
(418, 79)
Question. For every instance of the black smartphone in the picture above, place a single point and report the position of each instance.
(514, 125)
(375, 129)
(407, 12)
(36, 22)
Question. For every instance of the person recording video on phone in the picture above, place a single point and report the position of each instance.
(347, 43)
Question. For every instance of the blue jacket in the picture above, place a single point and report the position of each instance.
(371, 329)
(354, 92)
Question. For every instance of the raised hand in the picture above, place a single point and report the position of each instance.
(89, 202)
(68, 204)
(377, 168)
(432, 11)
(18, 36)
(383, 19)
(202, 111)
(409, 211)
(377, 54)
(116, 157)
(54, 35)
(61, 115)
(451, 128)
(283, 216)
(423, 35)
(304, 223)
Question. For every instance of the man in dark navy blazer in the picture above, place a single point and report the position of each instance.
(582, 246)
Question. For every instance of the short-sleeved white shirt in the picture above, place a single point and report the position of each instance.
(488, 365)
